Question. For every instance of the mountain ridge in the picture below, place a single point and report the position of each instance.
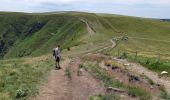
(23, 34)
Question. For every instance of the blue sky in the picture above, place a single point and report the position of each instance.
(141, 8)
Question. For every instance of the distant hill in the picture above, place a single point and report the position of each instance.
(168, 20)
(24, 34)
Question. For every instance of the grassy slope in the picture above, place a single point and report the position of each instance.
(23, 34)
(19, 77)
(148, 34)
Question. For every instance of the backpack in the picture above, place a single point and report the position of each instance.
(53, 52)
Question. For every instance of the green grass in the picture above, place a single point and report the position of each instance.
(68, 73)
(135, 92)
(152, 64)
(19, 77)
(101, 75)
(111, 96)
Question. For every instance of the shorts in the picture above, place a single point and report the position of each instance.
(57, 59)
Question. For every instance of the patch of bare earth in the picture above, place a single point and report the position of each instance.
(60, 87)
(131, 79)
(136, 68)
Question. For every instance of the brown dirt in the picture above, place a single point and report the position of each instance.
(60, 87)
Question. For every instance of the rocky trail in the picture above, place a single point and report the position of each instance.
(60, 87)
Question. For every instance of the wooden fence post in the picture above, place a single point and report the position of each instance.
(136, 55)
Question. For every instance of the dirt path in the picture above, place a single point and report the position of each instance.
(60, 87)
(85, 85)
(107, 47)
(89, 28)
(150, 74)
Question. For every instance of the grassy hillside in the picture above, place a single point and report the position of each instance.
(23, 34)
(35, 34)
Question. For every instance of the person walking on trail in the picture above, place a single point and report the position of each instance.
(56, 54)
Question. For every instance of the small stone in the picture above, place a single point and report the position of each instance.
(151, 87)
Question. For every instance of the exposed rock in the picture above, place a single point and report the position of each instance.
(111, 89)
(80, 72)
(164, 73)
(127, 64)
(133, 78)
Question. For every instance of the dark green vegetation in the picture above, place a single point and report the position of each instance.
(68, 73)
(111, 96)
(19, 77)
(26, 34)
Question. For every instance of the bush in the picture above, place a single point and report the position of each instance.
(21, 93)
(111, 96)
(147, 61)
(124, 55)
(80, 66)
(164, 95)
(137, 92)
(68, 49)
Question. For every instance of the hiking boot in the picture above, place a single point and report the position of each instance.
(57, 68)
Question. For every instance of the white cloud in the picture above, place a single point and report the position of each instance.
(51, 1)
(127, 2)
(135, 2)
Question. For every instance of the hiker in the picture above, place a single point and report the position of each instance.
(56, 54)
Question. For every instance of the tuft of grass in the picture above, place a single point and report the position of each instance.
(111, 96)
(21, 93)
(80, 66)
(137, 92)
(148, 79)
(102, 75)
(68, 73)
(164, 94)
